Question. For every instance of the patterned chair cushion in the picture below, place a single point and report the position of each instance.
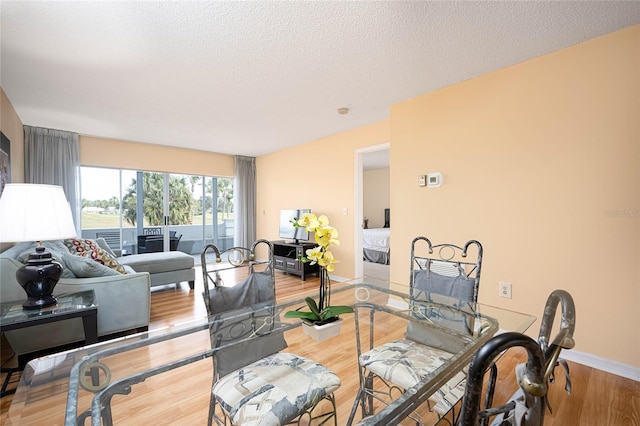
(403, 362)
(449, 394)
(274, 390)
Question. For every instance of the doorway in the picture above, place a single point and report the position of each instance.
(369, 158)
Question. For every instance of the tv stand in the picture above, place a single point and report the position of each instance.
(285, 258)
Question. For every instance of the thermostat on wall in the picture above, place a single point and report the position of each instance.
(434, 180)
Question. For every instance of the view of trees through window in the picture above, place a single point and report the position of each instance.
(111, 200)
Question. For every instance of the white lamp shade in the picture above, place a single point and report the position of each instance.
(34, 212)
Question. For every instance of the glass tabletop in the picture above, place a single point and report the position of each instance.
(12, 313)
(165, 376)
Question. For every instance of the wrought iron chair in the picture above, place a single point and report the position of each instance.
(446, 273)
(253, 382)
(526, 407)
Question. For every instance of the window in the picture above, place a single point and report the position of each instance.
(111, 208)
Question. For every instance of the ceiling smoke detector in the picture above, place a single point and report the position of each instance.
(343, 111)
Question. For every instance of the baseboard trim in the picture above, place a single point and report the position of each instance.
(614, 367)
(397, 304)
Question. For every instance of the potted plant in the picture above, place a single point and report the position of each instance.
(321, 315)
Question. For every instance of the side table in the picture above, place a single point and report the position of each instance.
(72, 305)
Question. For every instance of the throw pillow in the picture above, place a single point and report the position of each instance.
(104, 246)
(85, 267)
(91, 249)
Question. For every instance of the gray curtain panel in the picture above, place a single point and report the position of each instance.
(53, 157)
(245, 201)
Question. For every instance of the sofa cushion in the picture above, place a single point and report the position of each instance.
(85, 267)
(17, 250)
(91, 249)
(158, 262)
(57, 249)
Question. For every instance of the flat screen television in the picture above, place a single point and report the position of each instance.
(287, 230)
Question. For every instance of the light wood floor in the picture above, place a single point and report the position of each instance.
(597, 399)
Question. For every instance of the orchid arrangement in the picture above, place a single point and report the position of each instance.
(325, 235)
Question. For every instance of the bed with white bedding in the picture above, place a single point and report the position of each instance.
(375, 245)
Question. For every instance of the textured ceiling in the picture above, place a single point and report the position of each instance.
(254, 77)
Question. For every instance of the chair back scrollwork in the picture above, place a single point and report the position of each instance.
(445, 269)
(533, 377)
(564, 338)
(237, 257)
(532, 380)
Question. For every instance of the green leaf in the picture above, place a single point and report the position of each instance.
(313, 306)
(335, 311)
(316, 315)
(299, 314)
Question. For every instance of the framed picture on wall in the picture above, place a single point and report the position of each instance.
(5, 161)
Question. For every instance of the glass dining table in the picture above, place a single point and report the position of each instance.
(164, 376)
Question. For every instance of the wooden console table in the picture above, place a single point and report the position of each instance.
(285, 258)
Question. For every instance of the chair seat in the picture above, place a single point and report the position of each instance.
(403, 362)
(449, 394)
(274, 390)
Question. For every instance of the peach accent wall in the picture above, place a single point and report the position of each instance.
(11, 126)
(375, 196)
(541, 163)
(102, 152)
(320, 176)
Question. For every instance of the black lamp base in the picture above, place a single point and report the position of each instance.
(42, 302)
(38, 278)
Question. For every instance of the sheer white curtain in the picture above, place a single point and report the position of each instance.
(53, 157)
(245, 201)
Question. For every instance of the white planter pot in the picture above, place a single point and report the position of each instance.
(322, 332)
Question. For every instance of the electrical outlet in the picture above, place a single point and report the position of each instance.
(504, 290)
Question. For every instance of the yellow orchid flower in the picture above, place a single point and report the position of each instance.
(333, 235)
(309, 221)
(314, 254)
(328, 261)
(323, 220)
(325, 235)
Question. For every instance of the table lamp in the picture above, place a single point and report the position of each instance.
(33, 212)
